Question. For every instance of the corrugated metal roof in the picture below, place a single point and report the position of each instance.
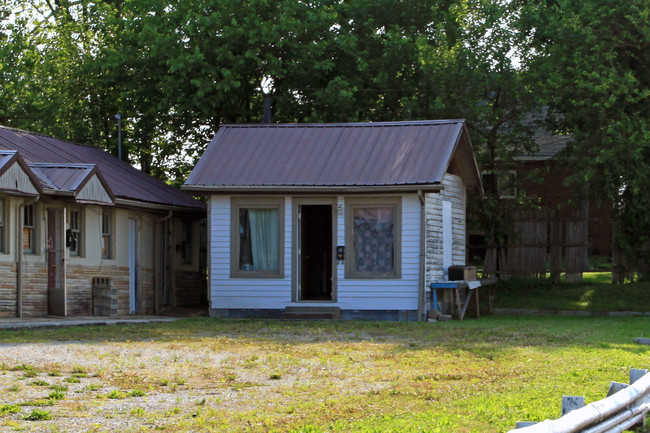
(124, 180)
(344, 154)
(63, 177)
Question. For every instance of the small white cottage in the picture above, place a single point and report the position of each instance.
(350, 220)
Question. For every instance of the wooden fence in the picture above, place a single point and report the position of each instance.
(624, 407)
(542, 242)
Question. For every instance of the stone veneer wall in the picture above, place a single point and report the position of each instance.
(79, 280)
(34, 289)
(7, 290)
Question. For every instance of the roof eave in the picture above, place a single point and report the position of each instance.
(275, 189)
(156, 206)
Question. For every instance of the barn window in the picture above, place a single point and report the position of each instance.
(373, 238)
(257, 237)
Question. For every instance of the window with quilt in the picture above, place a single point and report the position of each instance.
(373, 238)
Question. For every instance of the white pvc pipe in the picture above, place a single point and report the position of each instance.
(581, 418)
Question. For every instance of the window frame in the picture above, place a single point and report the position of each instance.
(237, 203)
(79, 231)
(506, 182)
(108, 213)
(33, 247)
(352, 203)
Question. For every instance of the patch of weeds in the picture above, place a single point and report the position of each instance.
(237, 386)
(79, 375)
(137, 412)
(38, 415)
(275, 376)
(23, 367)
(39, 383)
(231, 377)
(54, 373)
(163, 382)
(9, 408)
(78, 370)
(116, 394)
(13, 388)
(58, 388)
(173, 411)
(93, 387)
(56, 395)
(71, 380)
(46, 402)
(179, 381)
(201, 402)
(136, 393)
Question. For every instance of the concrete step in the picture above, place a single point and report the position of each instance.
(312, 313)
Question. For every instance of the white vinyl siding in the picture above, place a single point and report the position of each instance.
(235, 293)
(275, 293)
(388, 294)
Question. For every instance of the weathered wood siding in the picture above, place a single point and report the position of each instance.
(235, 293)
(454, 192)
(93, 190)
(15, 179)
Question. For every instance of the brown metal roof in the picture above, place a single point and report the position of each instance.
(345, 154)
(125, 181)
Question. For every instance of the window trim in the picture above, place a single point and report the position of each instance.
(111, 238)
(237, 203)
(34, 230)
(503, 192)
(350, 260)
(79, 230)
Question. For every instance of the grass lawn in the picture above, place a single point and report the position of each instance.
(271, 376)
(594, 293)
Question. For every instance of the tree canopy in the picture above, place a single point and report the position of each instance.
(176, 70)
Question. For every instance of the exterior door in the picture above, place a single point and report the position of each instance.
(315, 252)
(134, 266)
(56, 296)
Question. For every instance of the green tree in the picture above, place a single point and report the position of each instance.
(590, 61)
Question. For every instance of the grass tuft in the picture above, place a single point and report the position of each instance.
(38, 415)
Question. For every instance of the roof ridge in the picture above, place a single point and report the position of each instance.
(344, 124)
(40, 134)
(61, 165)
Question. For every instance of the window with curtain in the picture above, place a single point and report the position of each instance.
(373, 228)
(257, 238)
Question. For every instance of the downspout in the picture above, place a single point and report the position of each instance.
(19, 257)
(156, 300)
(421, 292)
